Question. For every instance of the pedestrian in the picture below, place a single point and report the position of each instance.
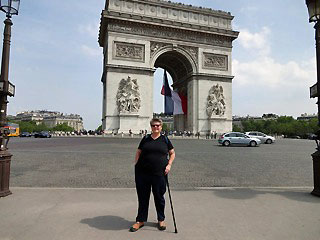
(151, 167)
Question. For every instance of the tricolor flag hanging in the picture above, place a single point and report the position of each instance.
(166, 91)
(174, 103)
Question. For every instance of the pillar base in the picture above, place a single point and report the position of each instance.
(5, 161)
(316, 173)
(316, 192)
(5, 193)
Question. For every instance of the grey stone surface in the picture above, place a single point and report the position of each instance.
(222, 214)
(97, 162)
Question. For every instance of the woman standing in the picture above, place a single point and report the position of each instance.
(151, 167)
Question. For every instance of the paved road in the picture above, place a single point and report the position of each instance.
(96, 162)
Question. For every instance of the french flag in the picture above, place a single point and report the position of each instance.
(174, 102)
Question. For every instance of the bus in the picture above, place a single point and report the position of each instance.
(14, 129)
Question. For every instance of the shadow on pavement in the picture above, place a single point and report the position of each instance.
(296, 195)
(108, 222)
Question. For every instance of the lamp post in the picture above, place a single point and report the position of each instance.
(314, 16)
(10, 7)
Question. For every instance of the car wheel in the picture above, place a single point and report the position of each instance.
(253, 144)
(269, 141)
(226, 143)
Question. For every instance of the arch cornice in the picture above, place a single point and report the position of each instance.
(192, 60)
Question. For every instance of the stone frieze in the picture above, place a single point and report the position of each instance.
(156, 46)
(170, 33)
(173, 11)
(215, 61)
(193, 51)
(130, 51)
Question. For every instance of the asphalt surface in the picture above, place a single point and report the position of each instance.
(100, 162)
(82, 188)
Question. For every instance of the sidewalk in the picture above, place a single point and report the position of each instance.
(217, 213)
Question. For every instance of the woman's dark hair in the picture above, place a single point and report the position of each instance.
(156, 120)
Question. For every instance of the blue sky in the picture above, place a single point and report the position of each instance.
(56, 62)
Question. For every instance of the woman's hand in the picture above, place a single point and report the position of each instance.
(168, 168)
(138, 153)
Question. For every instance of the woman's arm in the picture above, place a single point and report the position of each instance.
(137, 156)
(172, 155)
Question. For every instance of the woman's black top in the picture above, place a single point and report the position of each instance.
(154, 155)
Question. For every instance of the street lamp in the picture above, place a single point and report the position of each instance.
(10, 7)
(314, 16)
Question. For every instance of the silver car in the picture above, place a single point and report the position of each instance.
(263, 137)
(237, 138)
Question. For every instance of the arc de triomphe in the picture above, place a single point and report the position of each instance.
(193, 44)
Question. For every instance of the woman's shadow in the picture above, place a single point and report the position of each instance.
(108, 223)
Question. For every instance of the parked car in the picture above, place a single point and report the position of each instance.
(42, 134)
(25, 134)
(263, 137)
(237, 138)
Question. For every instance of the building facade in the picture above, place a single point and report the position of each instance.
(51, 118)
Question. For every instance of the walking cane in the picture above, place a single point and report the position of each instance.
(174, 219)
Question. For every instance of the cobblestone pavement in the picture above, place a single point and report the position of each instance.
(100, 162)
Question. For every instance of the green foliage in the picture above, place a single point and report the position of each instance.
(165, 127)
(99, 128)
(41, 127)
(31, 126)
(236, 128)
(27, 126)
(63, 127)
(284, 125)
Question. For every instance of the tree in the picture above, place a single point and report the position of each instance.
(27, 126)
(236, 128)
(64, 127)
(41, 127)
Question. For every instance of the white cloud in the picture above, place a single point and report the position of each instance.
(90, 29)
(267, 73)
(255, 41)
(264, 85)
(92, 52)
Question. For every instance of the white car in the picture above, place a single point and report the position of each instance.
(263, 137)
(236, 138)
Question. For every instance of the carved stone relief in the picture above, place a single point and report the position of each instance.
(172, 34)
(216, 104)
(156, 46)
(192, 50)
(215, 61)
(128, 96)
(130, 51)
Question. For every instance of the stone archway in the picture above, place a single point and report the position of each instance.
(193, 44)
(181, 65)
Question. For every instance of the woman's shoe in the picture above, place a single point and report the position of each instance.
(135, 227)
(162, 226)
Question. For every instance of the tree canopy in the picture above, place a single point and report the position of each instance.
(32, 126)
(283, 125)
